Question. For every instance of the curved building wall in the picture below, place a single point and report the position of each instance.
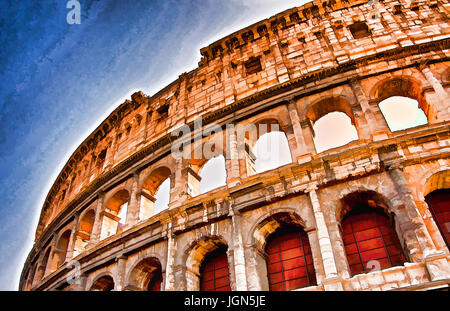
(289, 70)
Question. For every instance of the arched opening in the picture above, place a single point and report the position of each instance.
(155, 194)
(402, 113)
(213, 174)
(43, 265)
(115, 214)
(368, 233)
(30, 277)
(272, 151)
(203, 258)
(332, 123)
(214, 272)
(402, 103)
(60, 252)
(84, 232)
(266, 147)
(439, 204)
(333, 130)
(289, 259)
(103, 284)
(146, 275)
(437, 196)
(206, 174)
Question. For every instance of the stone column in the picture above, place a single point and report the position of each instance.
(297, 128)
(326, 249)
(179, 193)
(134, 202)
(368, 116)
(443, 104)
(416, 225)
(308, 137)
(233, 175)
(96, 230)
(119, 281)
(238, 252)
(169, 284)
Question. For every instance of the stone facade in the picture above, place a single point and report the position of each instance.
(291, 69)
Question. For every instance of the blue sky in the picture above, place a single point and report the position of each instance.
(59, 81)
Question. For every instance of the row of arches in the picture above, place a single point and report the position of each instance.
(332, 122)
(154, 196)
(368, 232)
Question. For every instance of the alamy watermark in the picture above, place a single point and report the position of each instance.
(74, 15)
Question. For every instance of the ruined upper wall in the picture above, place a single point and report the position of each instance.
(316, 37)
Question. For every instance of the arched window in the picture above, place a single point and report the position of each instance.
(333, 130)
(266, 146)
(60, 252)
(289, 260)
(213, 174)
(272, 151)
(43, 265)
(439, 204)
(402, 113)
(155, 194)
(103, 284)
(146, 275)
(332, 123)
(114, 216)
(84, 232)
(206, 174)
(214, 273)
(370, 241)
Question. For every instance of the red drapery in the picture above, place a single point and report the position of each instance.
(289, 262)
(370, 243)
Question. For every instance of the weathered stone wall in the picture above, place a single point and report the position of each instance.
(293, 68)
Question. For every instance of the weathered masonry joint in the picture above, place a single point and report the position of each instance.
(372, 214)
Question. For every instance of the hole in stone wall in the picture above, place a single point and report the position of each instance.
(359, 30)
(253, 65)
(402, 113)
(271, 151)
(333, 130)
(213, 174)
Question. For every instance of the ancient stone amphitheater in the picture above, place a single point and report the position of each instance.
(370, 215)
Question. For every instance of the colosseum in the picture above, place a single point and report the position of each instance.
(373, 214)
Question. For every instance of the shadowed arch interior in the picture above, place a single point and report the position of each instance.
(114, 216)
(146, 275)
(103, 284)
(84, 231)
(60, 251)
(155, 193)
